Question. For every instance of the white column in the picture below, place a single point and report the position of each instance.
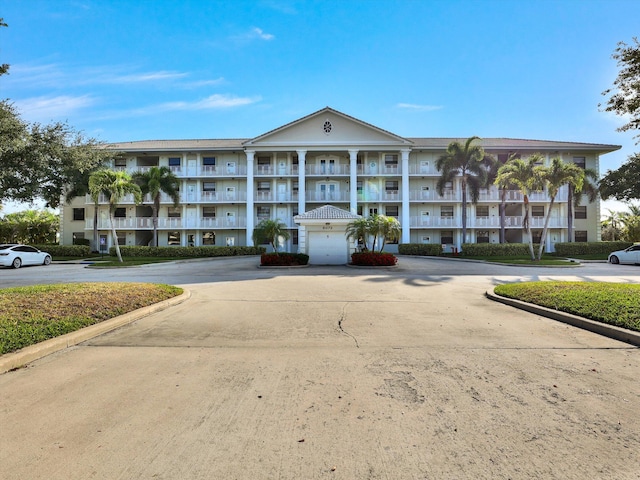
(302, 191)
(250, 222)
(353, 181)
(405, 221)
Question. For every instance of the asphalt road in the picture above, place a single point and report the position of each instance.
(327, 372)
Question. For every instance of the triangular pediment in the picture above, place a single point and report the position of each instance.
(325, 128)
(326, 212)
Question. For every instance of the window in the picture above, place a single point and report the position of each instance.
(580, 212)
(120, 163)
(230, 241)
(537, 236)
(174, 161)
(78, 236)
(78, 213)
(122, 238)
(482, 236)
(209, 162)
(174, 212)
(391, 186)
(537, 210)
(581, 236)
(209, 186)
(580, 161)
(426, 239)
(208, 238)
(209, 212)
(173, 238)
(446, 211)
(482, 210)
(264, 187)
(294, 187)
(359, 187)
(446, 236)
(391, 162)
(264, 212)
(391, 211)
(120, 212)
(294, 237)
(264, 161)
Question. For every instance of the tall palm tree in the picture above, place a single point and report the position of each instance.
(115, 185)
(555, 176)
(155, 182)
(612, 222)
(527, 177)
(589, 189)
(389, 229)
(492, 165)
(270, 231)
(464, 161)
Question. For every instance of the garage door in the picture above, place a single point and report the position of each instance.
(328, 248)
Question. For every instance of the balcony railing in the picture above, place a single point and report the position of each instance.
(327, 170)
(327, 196)
(484, 222)
(146, 223)
(432, 195)
(374, 196)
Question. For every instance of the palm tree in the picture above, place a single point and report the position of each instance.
(492, 165)
(155, 182)
(556, 176)
(359, 230)
(589, 188)
(526, 177)
(115, 185)
(389, 229)
(612, 224)
(270, 231)
(464, 161)
(631, 223)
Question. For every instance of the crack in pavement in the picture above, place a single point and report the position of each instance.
(343, 317)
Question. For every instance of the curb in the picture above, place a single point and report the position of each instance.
(611, 331)
(20, 358)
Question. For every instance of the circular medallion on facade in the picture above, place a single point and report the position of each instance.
(327, 127)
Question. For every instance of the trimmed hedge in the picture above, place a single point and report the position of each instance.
(587, 248)
(374, 259)
(497, 249)
(422, 249)
(185, 252)
(283, 259)
(65, 250)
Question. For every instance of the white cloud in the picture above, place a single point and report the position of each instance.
(421, 108)
(213, 102)
(254, 34)
(45, 109)
(257, 32)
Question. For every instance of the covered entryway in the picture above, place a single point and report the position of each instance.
(322, 235)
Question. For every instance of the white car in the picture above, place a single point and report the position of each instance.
(12, 255)
(630, 255)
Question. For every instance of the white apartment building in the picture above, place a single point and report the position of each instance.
(326, 158)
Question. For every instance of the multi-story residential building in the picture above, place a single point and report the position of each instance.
(327, 158)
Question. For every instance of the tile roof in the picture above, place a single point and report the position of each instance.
(327, 212)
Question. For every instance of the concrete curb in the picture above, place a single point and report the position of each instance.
(10, 361)
(611, 331)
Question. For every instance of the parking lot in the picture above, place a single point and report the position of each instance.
(327, 372)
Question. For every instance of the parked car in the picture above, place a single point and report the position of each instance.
(630, 255)
(15, 255)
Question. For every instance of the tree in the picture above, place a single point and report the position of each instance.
(115, 186)
(625, 99)
(631, 223)
(380, 227)
(611, 226)
(4, 68)
(589, 189)
(492, 165)
(624, 183)
(270, 231)
(555, 176)
(155, 182)
(358, 230)
(465, 161)
(31, 226)
(40, 161)
(527, 177)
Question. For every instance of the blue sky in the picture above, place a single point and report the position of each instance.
(123, 70)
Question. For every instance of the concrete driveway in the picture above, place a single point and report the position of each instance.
(327, 372)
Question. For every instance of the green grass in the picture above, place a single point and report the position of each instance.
(612, 303)
(30, 315)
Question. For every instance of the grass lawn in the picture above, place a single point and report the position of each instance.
(612, 303)
(30, 315)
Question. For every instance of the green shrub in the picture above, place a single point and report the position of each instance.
(283, 259)
(186, 252)
(82, 241)
(422, 249)
(497, 249)
(587, 248)
(65, 250)
(374, 259)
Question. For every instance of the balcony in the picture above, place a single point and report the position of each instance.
(173, 223)
(426, 221)
(327, 170)
(432, 196)
(375, 196)
(327, 196)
